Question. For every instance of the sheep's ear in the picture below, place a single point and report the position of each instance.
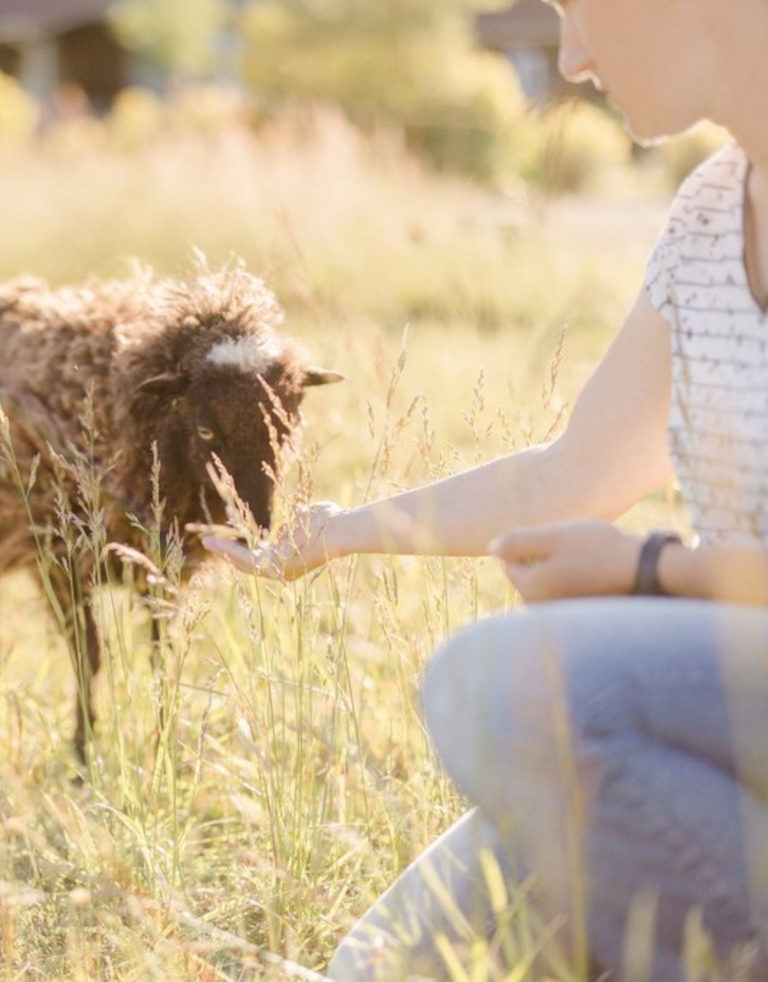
(167, 384)
(320, 376)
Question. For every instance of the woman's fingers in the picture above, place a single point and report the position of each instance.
(296, 549)
(568, 559)
(523, 545)
(260, 562)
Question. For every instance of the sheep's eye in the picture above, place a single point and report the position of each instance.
(205, 433)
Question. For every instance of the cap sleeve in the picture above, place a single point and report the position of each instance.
(668, 255)
(665, 256)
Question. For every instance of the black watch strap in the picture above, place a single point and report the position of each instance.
(647, 580)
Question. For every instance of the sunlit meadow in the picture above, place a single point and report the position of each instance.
(250, 798)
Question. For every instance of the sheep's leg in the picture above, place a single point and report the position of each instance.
(156, 663)
(86, 655)
(86, 670)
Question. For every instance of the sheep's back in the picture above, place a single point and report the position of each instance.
(56, 347)
(56, 350)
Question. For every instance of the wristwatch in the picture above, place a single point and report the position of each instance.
(647, 580)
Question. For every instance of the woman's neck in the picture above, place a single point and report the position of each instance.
(739, 101)
(756, 236)
(740, 80)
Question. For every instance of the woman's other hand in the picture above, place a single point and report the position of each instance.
(296, 549)
(569, 559)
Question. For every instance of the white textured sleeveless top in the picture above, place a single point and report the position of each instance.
(718, 420)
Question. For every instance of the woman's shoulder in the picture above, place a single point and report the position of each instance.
(704, 214)
(718, 178)
(711, 196)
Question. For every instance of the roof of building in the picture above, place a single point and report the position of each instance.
(21, 19)
(527, 23)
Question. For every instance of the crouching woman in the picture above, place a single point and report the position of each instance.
(613, 735)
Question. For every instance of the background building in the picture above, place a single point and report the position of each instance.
(66, 52)
(56, 47)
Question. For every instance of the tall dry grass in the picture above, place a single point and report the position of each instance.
(247, 801)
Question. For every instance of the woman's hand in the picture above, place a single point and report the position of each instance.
(569, 559)
(297, 549)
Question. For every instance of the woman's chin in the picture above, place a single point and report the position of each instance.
(647, 132)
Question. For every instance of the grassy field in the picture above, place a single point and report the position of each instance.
(293, 779)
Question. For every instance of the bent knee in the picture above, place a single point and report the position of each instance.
(513, 693)
(491, 690)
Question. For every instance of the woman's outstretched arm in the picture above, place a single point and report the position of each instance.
(612, 452)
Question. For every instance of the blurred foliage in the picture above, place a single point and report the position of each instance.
(136, 117)
(569, 147)
(394, 18)
(343, 223)
(19, 113)
(412, 65)
(177, 34)
(681, 155)
(412, 69)
(410, 72)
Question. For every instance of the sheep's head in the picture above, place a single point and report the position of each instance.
(235, 409)
(230, 386)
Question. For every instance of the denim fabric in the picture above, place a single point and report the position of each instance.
(617, 751)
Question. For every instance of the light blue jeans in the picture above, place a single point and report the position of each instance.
(616, 753)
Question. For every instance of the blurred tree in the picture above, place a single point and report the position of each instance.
(414, 64)
(397, 15)
(19, 113)
(179, 35)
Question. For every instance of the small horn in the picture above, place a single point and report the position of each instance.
(167, 384)
(321, 376)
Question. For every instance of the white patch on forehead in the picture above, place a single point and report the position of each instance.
(248, 353)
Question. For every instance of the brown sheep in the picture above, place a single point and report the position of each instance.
(104, 373)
